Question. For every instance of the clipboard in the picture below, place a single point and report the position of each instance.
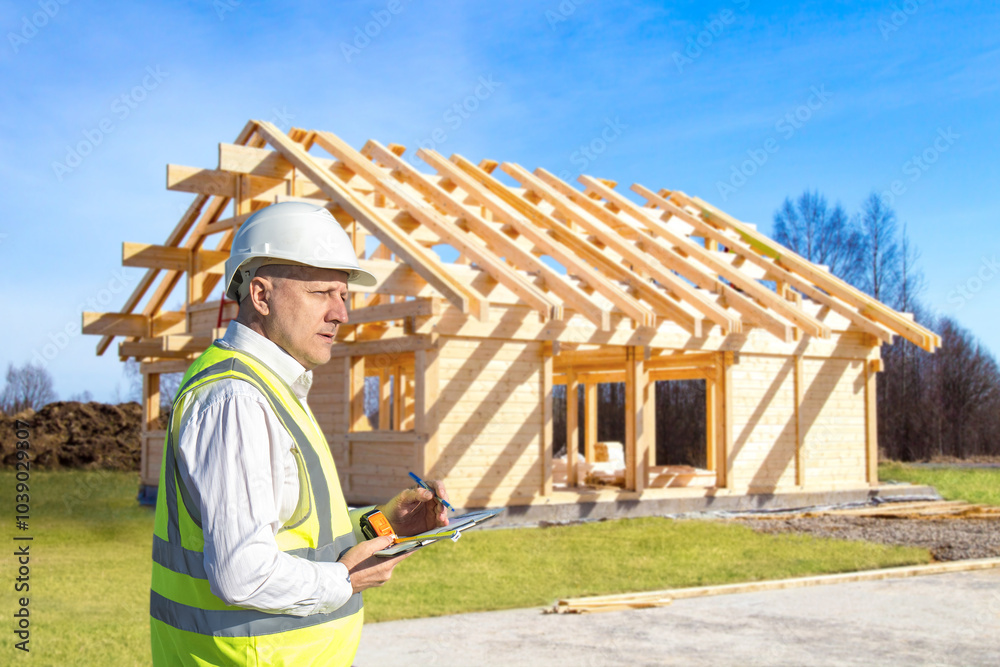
(452, 532)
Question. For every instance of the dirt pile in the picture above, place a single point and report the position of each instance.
(67, 434)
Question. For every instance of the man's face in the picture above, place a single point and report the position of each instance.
(301, 308)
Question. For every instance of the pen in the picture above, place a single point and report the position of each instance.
(424, 485)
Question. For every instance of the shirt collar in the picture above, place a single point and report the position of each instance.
(243, 338)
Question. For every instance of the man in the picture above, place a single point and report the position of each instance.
(256, 558)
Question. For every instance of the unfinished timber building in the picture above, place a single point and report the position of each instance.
(496, 284)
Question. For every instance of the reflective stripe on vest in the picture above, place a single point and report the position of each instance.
(181, 600)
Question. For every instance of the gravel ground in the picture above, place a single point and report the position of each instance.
(947, 539)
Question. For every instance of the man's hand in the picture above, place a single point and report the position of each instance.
(414, 511)
(368, 570)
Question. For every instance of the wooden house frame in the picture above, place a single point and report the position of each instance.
(549, 284)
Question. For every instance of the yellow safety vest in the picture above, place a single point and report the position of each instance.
(191, 626)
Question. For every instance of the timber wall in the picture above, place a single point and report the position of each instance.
(797, 428)
(490, 434)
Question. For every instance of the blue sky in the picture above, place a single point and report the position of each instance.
(837, 96)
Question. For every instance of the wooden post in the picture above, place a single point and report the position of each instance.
(150, 422)
(425, 417)
(638, 411)
(711, 422)
(546, 453)
(572, 428)
(397, 398)
(385, 400)
(345, 419)
(357, 421)
(872, 366)
(800, 469)
(590, 420)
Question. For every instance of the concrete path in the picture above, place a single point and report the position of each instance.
(944, 619)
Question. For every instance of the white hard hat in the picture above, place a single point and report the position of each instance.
(290, 233)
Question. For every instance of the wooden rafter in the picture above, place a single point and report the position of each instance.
(471, 246)
(523, 217)
(377, 224)
(502, 244)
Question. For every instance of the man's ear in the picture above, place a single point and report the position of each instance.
(260, 294)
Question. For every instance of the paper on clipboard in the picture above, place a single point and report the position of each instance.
(450, 532)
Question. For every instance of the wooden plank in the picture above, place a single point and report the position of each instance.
(912, 331)
(545, 456)
(538, 227)
(800, 464)
(493, 196)
(426, 373)
(501, 244)
(871, 423)
(390, 345)
(572, 429)
(740, 247)
(150, 256)
(590, 420)
(375, 223)
(422, 307)
(184, 225)
(466, 243)
(641, 262)
(358, 421)
(115, 324)
(763, 295)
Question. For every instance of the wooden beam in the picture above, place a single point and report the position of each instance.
(867, 305)
(590, 420)
(419, 259)
(572, 429)
(150, 256)
(638, 434)
(358, 421)
(641, 262)
(384, 400)
(425, 413)
(524, 219)
(115, 324)
(871, 421)
(386, 312)
(545, 457)
(737, 245)
(800, 462)
(762, 294)
(466, 243)
(271, 164)
(385, 346)
(498, 242)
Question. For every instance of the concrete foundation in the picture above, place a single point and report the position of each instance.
(710, 501)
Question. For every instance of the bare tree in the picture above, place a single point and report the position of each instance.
(821, 234)
(29, 386)
(881, 254)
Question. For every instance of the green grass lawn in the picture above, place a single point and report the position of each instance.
(90, 564)
(975, 485)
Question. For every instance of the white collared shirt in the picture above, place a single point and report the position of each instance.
(235, 458)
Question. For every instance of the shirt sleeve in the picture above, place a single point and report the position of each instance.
(232, 455)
